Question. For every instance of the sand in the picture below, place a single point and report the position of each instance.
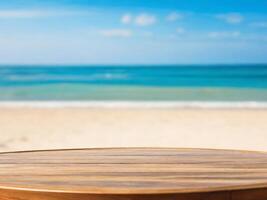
(49, 128)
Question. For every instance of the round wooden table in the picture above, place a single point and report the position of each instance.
(133, 174)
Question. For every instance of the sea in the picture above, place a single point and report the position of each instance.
(159, 85)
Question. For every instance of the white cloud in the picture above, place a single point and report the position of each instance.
(145, 20)
(180, 30)
(126, 19)
(17, 14)
(140, 20)
(260, 24)
(21, 13)
(122, 33)
(231, 18)
(174, 16)
(224, 34)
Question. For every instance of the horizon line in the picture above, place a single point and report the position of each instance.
(126, 65)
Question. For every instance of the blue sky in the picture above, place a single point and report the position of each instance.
(133, 31)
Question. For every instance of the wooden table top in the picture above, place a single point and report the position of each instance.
(121, 171)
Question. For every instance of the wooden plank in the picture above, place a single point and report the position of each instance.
(24, 195)
(127, 173)
(256, 194)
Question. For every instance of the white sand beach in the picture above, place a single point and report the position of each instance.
(24, 128)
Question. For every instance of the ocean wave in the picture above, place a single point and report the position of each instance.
(47, 77)
(133, 104)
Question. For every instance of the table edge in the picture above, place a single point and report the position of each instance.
(139, 192)
(129, 148)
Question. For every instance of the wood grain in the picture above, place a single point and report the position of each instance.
(133, 173)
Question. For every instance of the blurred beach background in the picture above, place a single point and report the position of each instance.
(133, 74)
(180, 106)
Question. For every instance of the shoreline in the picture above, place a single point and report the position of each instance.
(136, 104)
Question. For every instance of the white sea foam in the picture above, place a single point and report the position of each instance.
(53, 77)
(133, 104)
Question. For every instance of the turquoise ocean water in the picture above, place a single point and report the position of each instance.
(200, 83)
